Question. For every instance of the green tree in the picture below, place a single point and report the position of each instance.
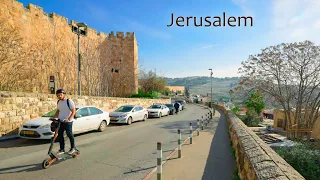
(255, 101)
(235, 109)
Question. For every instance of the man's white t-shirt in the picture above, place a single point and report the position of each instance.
(64, 110)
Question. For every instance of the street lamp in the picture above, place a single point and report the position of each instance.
(211, 90)
(81, 30)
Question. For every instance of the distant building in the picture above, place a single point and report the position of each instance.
(176, 89)
(281, 124)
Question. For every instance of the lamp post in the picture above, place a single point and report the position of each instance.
(81, 30)
(211, 89)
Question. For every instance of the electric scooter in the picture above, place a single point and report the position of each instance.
(55, 125)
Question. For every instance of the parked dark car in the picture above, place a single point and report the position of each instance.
(183, 103)
(171, 107)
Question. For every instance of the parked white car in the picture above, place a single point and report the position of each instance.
(87, 118)
(128, 114)
(158, 110)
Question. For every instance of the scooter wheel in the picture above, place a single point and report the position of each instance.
(46, 163)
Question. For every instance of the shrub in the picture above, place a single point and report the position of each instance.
(305, 160)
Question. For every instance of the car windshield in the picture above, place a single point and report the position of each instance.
(155, 107)
(124, 109)
(50, 114)
(169, 105)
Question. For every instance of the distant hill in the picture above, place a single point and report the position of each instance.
(202, 85)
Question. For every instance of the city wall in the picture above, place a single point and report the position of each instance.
(255, 159)
(17, 108)
(45, 46)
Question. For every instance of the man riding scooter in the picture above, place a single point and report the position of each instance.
(176, 106)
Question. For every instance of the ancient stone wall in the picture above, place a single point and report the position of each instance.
(17, 108)
(255, 159)
(36, 45)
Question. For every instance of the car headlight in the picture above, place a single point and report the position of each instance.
(45, 126)
(122, 116)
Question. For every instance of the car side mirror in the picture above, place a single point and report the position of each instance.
(78, 116)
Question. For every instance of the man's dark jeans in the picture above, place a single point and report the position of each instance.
(68, 128)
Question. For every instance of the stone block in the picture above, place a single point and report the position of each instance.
(35, 110)
(19, 100)
(271, 172)
(25, 118)
(2, 115)
(21, 112)
(15, 119)
(10, 113)
(279, 178)
(15, 107)
(26, 105)
(247, 145)
(260, 158)
(7, 107)
(28, 111)
(5, 121)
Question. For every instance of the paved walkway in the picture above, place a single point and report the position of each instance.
(208, 157)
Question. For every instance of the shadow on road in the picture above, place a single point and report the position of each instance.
(34, 142)
(138, 170)
(220, 163)
(23, 143)
(24, 168)
(173, 127)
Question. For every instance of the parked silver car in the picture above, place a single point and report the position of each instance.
(128, 114)
(158, 110)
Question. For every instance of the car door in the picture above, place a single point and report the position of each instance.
(95, 118)
(163, 110)
(135, 114)
(81, 122)
(141, 113)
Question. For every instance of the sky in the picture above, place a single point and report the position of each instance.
(191, 51)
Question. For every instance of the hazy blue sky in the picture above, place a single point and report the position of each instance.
(190, 51)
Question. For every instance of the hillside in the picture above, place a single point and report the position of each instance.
(202, 85)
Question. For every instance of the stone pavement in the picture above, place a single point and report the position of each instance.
(208, 157)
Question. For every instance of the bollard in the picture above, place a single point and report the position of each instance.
(201, 124)
(198, 123)
(159, 161)
(179, 143)
(190, 128)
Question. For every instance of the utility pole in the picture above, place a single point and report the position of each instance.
(211, 90)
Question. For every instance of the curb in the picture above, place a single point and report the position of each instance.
(150, 174)
(3, 139)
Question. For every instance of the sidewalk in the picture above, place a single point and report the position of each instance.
(208, 157)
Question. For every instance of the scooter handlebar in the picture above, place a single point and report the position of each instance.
(54, 119)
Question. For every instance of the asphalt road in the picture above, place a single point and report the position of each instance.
(121, 152)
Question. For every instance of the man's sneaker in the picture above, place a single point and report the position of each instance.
(72, 150)
(60, 152)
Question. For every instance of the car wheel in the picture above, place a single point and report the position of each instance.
(129, 120)
(144, 118)
(102, 126)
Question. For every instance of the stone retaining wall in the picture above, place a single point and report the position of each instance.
(255, 159)
(17, 108)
